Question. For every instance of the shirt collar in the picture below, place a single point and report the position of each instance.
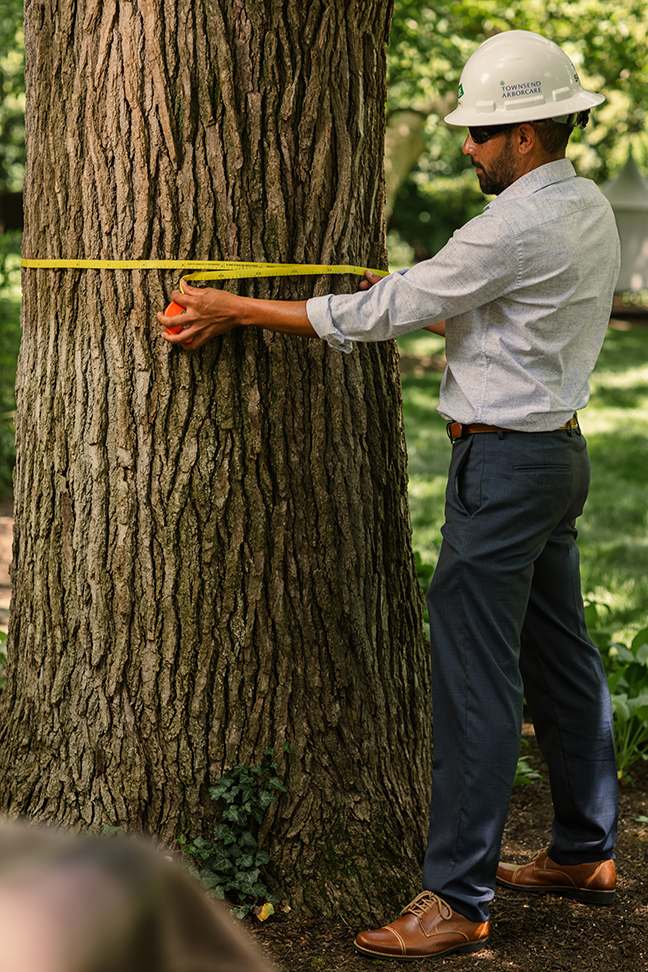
(545, 175)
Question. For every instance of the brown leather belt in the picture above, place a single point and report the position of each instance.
(456, 430)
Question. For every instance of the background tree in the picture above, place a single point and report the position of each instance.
(212, 551)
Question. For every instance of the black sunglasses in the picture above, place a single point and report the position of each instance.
(482, 133)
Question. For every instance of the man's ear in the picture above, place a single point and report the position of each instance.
(527, 138)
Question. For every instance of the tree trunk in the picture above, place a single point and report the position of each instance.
(212, 551)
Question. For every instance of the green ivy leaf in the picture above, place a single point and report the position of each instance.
(219, 791)
(248, 840)
(221, 832)
(266, 798)
(232, 813)
(211, 879)
(233, 859)
(258, 813)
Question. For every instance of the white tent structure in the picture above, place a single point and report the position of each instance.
(628, 196)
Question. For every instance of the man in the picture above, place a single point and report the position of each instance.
(526, 290)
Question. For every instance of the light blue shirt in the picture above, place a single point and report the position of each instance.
(526, 291)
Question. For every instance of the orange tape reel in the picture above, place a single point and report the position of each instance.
(172, 311)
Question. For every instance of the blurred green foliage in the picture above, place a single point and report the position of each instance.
(12, 96)
(429, 46)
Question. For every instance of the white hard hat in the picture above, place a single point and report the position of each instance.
(519, 76)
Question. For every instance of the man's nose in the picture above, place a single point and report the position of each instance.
(469, 146)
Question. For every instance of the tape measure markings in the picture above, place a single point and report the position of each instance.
(205, 269)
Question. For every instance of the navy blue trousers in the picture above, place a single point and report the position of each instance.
(506, 623)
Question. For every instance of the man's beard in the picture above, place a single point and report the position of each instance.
(502, 171)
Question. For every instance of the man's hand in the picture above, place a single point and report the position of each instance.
(208, 313)
(369, 280)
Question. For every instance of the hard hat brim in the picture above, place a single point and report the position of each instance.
(490, 114)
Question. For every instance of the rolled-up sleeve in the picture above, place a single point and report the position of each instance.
(476, 266)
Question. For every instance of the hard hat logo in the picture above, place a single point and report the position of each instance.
(521, 90)
(503, 75)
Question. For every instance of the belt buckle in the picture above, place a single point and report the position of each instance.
(453, 438)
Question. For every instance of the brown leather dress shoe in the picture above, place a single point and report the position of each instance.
(427, 928)
(591, 883)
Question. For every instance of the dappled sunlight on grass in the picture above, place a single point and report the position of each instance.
(422, 343)
(428, 446)
(614, 527)
(614, 596)
(613, 531)
(426, 503)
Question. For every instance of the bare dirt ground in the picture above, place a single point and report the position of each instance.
(528, 934)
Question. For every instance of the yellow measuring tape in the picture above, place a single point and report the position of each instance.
(203, 269)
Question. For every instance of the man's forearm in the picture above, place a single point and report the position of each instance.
(286, 316)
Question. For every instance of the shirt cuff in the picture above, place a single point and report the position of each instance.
(318, 311)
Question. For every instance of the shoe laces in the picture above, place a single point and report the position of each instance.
(426, 901)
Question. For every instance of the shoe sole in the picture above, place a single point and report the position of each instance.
(576, 894)
(456, 949)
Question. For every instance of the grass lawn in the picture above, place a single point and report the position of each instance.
(614, 528)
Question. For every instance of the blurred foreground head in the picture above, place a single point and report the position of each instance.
(84, 904)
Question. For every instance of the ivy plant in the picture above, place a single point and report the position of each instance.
(229, 864)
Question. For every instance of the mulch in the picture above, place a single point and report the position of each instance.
(527, 934)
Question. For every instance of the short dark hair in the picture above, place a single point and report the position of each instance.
(552, 135)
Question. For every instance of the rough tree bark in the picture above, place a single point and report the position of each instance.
(212, 551)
